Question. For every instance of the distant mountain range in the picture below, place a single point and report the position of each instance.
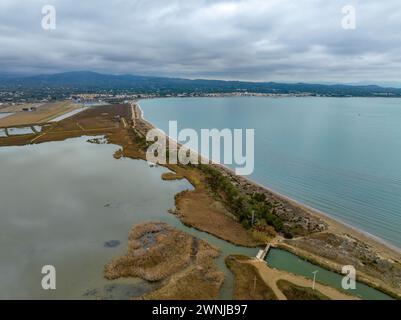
(92, 81)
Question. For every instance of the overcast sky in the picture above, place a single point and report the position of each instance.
(269, 40)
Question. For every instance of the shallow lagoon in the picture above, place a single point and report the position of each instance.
(289, 262)
(5, 114)
(60, 203)
(64, 203)
(19, 131)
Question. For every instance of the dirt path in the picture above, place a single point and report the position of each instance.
(271, 276)
(79, 126)
(133, 114)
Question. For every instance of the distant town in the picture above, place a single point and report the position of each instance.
(91, 86)
(15, 98)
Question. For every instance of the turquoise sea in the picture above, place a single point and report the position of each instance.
(339, 155)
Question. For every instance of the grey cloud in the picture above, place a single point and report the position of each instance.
(270, 40)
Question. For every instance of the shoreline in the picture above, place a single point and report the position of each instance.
(319, 214)
(202, 211)
(334, 224)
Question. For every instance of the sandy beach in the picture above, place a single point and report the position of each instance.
(335, 225)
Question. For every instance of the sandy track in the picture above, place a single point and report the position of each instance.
(271, 276)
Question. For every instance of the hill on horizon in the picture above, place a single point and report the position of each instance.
(92, 81)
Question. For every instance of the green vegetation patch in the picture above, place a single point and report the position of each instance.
(253, 211)
(294, 292)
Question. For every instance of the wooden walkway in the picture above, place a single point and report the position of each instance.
(263, 253)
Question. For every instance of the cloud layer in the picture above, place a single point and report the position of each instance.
(277, 40)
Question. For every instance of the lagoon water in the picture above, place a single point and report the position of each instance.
(63, 204)
(70, 204)
(60, 203)
(339, 155)
(289, 262)
(5, 114)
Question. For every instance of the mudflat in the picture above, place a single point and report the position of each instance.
(38, 113)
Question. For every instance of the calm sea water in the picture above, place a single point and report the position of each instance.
(339, 155)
